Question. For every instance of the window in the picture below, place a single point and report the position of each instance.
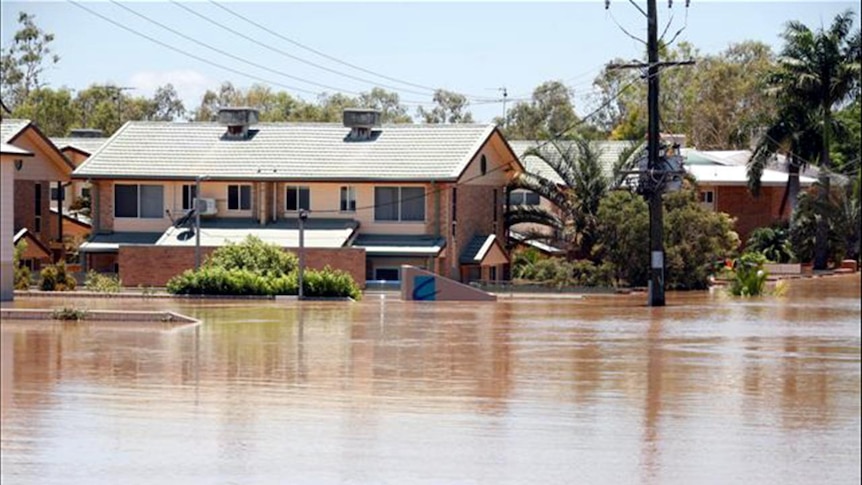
(483, 165)
(55, 193)
(298, 198)
(348, 199)
(239, 197)
(37, 223)
(399, 204)
(495, 205)
(85, 192)
(523, 197)
(387, 274)
(189, 195)
(707, 196)
(143, 201)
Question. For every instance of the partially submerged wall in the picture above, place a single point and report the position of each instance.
(418, 284)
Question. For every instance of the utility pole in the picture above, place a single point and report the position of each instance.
(655, 169)
(505, 95)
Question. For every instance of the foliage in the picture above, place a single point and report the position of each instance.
(560, 273)
(55, 278)
(24, 61)
(749, 278)
(524, 261)
(329, 283)
(22, 273)
(550, 114)
(694, 238)
(450, 108)
(842, 221)
(69, 314)
(624, 236)
(100, 283)
(52, 110)
(772, 242)
(255, 256)
(257, 268)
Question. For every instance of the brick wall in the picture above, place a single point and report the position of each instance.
(750, 212)
(25, 209)
(155, 265)
(106, 206)
(475, 216)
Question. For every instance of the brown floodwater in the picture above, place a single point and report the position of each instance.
(707, 390)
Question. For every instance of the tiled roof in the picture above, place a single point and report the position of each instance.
(318, 233)
(399, 245)
(86, 145)
(9, 128)
(609, 153)
(738, 175)
(7, 149)
(286, 151)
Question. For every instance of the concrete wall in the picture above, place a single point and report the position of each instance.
(417, 284)
(155, 265)
(7, 216)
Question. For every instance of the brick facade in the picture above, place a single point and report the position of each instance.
(155, 265)
(750, 212)
(475, 216)
(104, 192)
(25, 210)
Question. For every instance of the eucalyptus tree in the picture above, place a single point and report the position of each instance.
(819, 71)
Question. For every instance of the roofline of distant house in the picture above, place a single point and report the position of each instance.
(44, 138)
(267, 178)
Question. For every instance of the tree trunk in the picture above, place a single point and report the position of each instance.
(791, 190)
(821, 243)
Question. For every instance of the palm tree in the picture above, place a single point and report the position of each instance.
(576, 191)
(818, 71)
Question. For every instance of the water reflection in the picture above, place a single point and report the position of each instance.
(602, 390)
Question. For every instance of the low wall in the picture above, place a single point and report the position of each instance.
(418, 284)
(100, 316)
(155, 265)
(783, 269)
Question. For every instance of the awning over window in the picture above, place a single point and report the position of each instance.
(319, 233)
(392, 245)
(485, 251)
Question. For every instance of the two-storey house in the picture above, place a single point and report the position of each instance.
(376, 196)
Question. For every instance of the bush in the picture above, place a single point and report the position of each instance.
(803, 227)
(749, 278)
(772, 242)
(255, 256)
(55, 278)
(67, 313)
(102, 283)
(22, 273)
(329, 282)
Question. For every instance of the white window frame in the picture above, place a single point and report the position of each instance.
(239, 197)
(348, 204)
(138, 202)
(299, 189)
(400, 200)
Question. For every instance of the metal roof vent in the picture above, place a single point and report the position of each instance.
(237, 121)
(361, 122)
(86, 133)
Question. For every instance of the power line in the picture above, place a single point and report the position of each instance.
(289, 55)
(235, 57)
(331, 58)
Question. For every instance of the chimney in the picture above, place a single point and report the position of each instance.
(86, 133)
(237, 121)
(361, 122)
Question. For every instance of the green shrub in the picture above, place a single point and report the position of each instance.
(329, 282)
(100, 283)
(22, 273)
(255, 256)
(67, 313)
(624, 237)
(55, 278)
(772, 242)
(749, 278)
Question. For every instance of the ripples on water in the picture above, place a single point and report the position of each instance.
(709, 389)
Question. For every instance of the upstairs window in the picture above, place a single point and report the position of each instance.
(348, 199)
(523, 197)
(298, 198)
(189, 195)
(239, 197)
(406, 204)
(139, 201)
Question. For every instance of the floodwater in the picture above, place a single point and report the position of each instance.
(708, 390)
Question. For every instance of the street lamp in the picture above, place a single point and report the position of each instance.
(303, 215)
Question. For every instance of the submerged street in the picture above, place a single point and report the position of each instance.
(709, 389)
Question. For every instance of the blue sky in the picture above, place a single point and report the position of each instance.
(474, 48)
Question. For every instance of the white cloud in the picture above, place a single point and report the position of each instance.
(190, 84)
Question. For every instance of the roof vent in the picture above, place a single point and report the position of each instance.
(237, 121)
(361, 122)
(86, 133)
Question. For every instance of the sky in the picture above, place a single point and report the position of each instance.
(474, 48)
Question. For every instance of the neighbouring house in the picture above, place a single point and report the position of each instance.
(11, 157)
(35, 253)
(722, 180)
(721, 177)
(77, 147)
(377, 197)
(33, 179)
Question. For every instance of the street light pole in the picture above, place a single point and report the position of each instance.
(656, 222)
(197, 207)
(303, 215)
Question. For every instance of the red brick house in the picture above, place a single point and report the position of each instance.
(377, 196)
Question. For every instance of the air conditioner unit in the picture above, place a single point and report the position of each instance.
(208, 207)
